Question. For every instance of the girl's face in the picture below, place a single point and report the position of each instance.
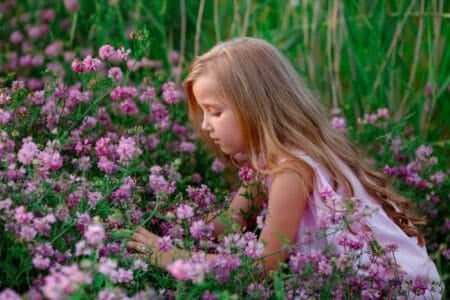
(218, 118)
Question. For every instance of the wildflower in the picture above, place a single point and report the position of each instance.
(419, 287)
(184, 211)
(90, 63)
(127, 149)
(179, 129)
(140, 264)
(77, 65)
(187, 147)
(202, 195)
(123, 54)
(423, 151)
(107, 166)
(148, 94)
(9, 294)
(6, 116)
(159, 184)
(95, 234)
(339, 123)
(128, 108)
(41, 263)
(165, 243)
(54, 49)
(254, 249)
(200, 230)
(71, 5)
(174, 57)
(170, 94)
(160, 115)
(63, 281)
(115, 73)
(246, 174)
(102, 147)
(106, 51)
(121, 275)
(123, 92)
(107, 266)
(16, 37)
(383, 113)
(217, 166)
(180, 269)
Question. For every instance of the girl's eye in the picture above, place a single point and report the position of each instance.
(216, 114)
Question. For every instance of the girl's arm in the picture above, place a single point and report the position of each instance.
(287, 200)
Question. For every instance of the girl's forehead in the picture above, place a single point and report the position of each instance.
(207, 89)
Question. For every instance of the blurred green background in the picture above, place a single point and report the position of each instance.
(356, 55)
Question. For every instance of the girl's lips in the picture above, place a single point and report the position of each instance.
(216, 141)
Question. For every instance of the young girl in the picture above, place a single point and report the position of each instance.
(247, 101)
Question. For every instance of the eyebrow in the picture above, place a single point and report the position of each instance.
(210, 104)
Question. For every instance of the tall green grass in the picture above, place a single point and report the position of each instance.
(357, 55)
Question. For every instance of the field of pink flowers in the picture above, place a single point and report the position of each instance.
(94, 141)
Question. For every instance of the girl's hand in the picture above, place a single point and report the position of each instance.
(143, 241)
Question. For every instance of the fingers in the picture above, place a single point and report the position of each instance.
(136, 246)
(144, 232)
(137, 237)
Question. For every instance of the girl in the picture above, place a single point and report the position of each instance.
(247, 101)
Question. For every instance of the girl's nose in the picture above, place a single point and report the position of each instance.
(205, 124)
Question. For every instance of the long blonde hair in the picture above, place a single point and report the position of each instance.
(276, 112)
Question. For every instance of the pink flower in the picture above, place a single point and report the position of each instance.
(106, 51)
(95, 234)
(127, 149)
(202, 195)
(63, 281)
(71, 5)
(107, 266)
(115, 73)
(54, 49)
(77, 66)
(184, 211)
(174, 57)
(9, 294)
(419, 287)
(246, 174)
(383, 113)
(217, 166)
(128, 108)
(41, 263)
(102, 147)
(165, 243)
(170, 93)
(121, 275)
(123, 54)
(123, 92)
(187, 147)
(254, 249)
(180, 269)
(200, 230)
(28, 151)
(50, 159)
(159, 184)
(16, 37)
(107, 166)
(90, 63)
(338, 123)
(148, 94)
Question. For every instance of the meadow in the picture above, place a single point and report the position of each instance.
(95, 141)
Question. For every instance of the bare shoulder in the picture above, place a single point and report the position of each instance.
(288, 184)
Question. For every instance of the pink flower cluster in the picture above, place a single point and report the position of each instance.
(63, 281)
